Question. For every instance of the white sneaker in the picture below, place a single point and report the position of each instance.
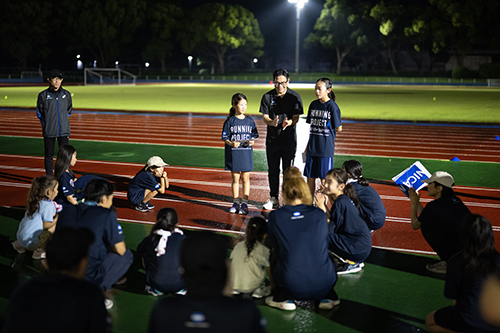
(439, 267)
(235, 208)
(271, 203)
(262, 291)
(285, 305)
(108, 303)
(328, 304)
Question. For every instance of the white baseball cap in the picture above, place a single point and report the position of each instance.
(441, 177)
(156, 161)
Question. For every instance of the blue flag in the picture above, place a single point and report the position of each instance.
(411, 178)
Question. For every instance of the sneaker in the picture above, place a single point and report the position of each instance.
(243, 209)
(271, 203)
(285, 305)
(328, 304)
(181, 292)
(39, 254)
(108, 303)
(142, 207)
(18, 247)
(235, 208)
(439, 267)
(262, 291)
(152, 291)
(150, 205)
(346, 268)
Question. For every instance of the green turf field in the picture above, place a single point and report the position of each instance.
(413, 103)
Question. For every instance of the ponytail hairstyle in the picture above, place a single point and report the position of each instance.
(328, 85)
(39, 186)
(296, 188)
(234, 101)
(355, 171)
(341, 177)
(256, 229)
(63, 160)
(479, 254)
(166, 219)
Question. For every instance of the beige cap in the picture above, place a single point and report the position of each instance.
(156, 161)
(441, 177)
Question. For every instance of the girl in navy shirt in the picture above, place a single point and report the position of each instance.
(350, 238)
(238, 134)
(324, 118)
(70, 188)
(371, 205)
(160, 252)
(147, 183)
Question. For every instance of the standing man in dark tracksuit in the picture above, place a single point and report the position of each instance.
(281, 109)
(53, 108)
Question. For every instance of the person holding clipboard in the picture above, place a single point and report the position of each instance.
(238, 134)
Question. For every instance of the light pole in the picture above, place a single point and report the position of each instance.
(299, 4)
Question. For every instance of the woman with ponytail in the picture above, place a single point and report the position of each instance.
(371, 205)
(300, 265)
(350, 239)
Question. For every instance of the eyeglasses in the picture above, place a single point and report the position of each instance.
(283, 84)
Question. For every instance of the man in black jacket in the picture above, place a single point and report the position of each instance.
(53, 108)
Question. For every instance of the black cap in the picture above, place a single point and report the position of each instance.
(55, 73)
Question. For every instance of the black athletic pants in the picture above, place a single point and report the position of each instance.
(275, 155)
(49, 144)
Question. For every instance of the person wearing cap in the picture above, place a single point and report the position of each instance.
(281, 108)
(61, 300)
(53, 108)
(440, 220)
(206, 306)
(147, 183)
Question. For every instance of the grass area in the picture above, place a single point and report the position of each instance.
(412, 103)
(381, 168)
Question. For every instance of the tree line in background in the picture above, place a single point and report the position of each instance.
(346, 30)
(423, 27)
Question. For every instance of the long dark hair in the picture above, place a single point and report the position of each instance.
(63, 160)
(446, 192)
(234, 101)
(341, 177)
(256, 229)
(166, 219)
(328, 85)
(39, 186)
(355, 170)
(479, 253)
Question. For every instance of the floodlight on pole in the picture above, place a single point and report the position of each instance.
(190, 62)
(299, 4)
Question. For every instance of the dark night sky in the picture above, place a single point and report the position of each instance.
(277, 21)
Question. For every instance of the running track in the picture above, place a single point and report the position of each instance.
(202, 195)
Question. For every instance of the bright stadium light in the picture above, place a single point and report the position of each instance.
(190, 62)
(255, 60)
(299, 4)
(146, 64)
